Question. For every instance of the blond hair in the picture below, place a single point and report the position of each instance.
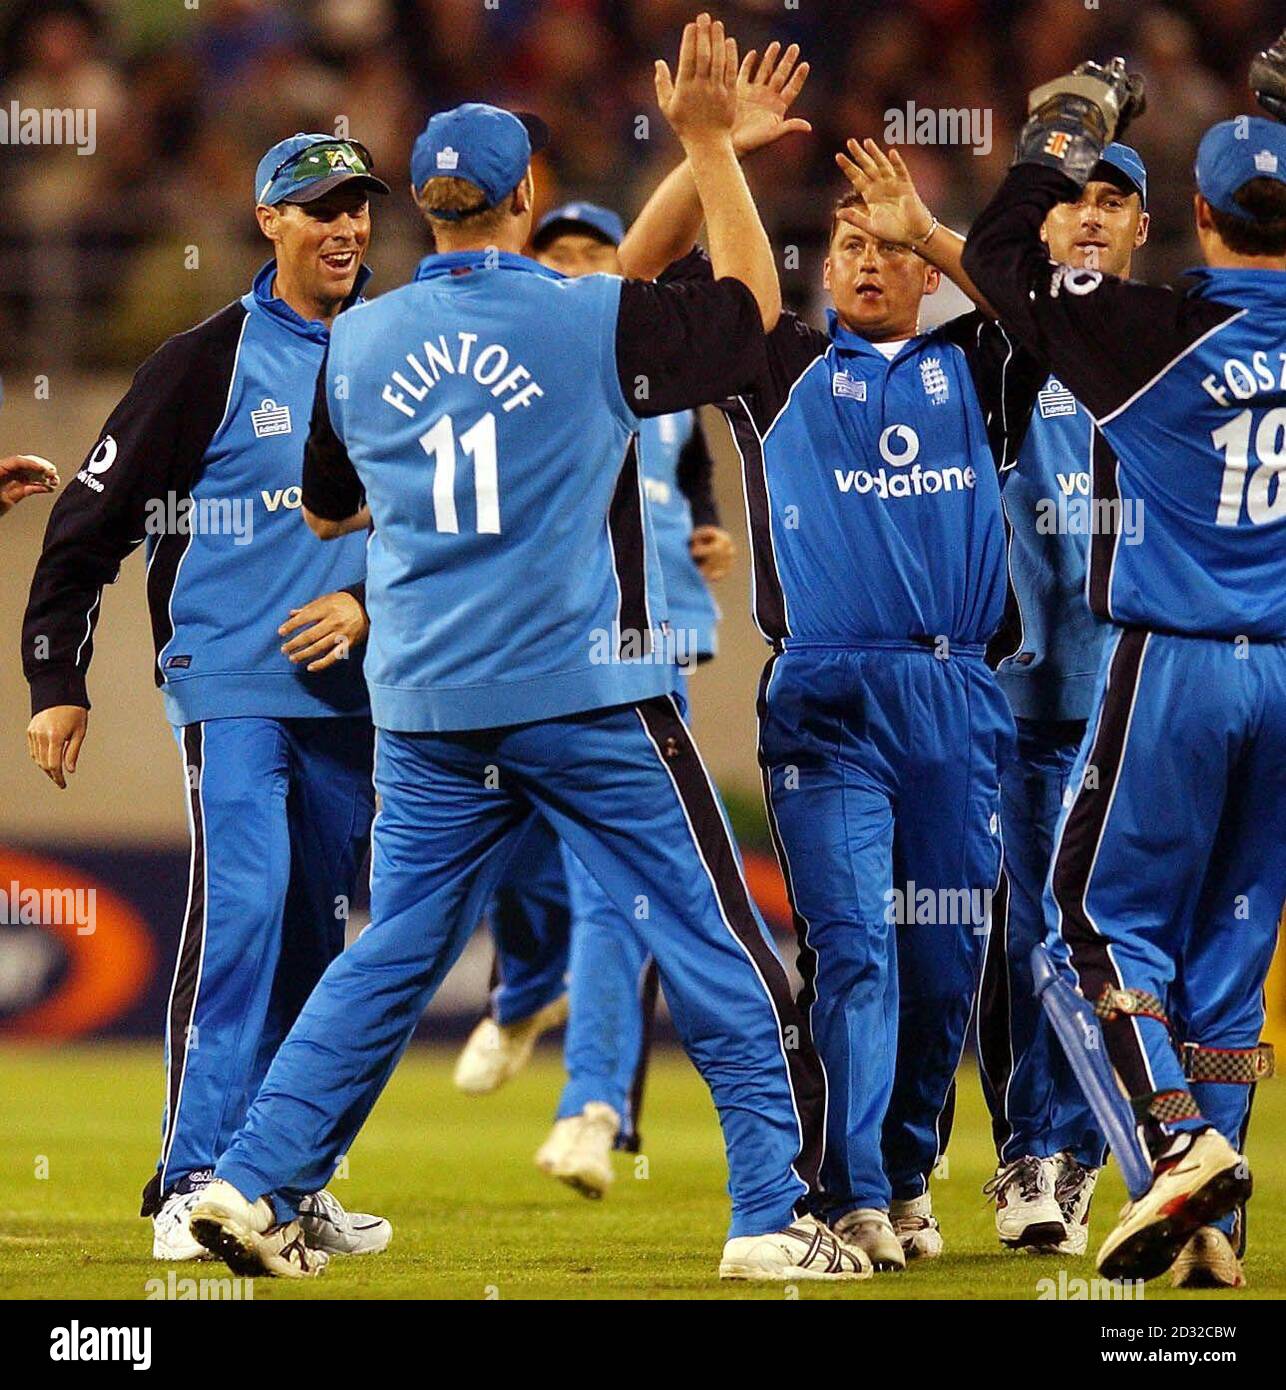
(454, 195)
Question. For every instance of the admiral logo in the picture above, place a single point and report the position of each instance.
(448, 158)
(844, 385)
(1266, 162)
(1057, 144)
(657, 491)
(1055, 399)
(270, 419)
(935, 380)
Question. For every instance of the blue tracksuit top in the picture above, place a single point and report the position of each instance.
(872, 484)
(1049, 650)
(202, 460)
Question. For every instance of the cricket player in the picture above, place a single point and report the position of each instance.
(1046, 655)
(612, 984)
(253, 621)
(517, 663)
(23, 476)
(1168, 878)
(870, 458)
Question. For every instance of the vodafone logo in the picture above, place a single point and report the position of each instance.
(899, 448)
(899, 445)
(103, 457)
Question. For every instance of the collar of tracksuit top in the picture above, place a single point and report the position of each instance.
(216, 669)
(462, 262)
(279, 310)
(940, 559)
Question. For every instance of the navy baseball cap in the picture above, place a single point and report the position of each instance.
(589, 218)
(1124, 159)
(303, 167)
(481, 144)
(1234, 152)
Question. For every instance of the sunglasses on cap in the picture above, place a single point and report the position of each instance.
(322, 160)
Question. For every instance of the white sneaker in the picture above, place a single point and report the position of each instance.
(171, 1239)
(1073, 1190)
(243, 1235)
(1027, 1211)
(579, 1150)
(803, 1250)
(1191, 1187)
(327, 1226)
(869, 1229)
(496, 1052)
(917, 1228)
(1208, 1261)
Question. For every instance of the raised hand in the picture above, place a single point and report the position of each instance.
(700, 101)
(893, 211)
(766, 90)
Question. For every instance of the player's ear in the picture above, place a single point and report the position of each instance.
(826, 273)
(1141, 231)
(269, 219)
(932, 279)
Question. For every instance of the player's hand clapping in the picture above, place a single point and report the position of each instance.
(325, 630)
(894, 210)
(22, 476)
(766, 90)
(700, 101)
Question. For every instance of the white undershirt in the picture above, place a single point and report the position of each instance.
(891, 350)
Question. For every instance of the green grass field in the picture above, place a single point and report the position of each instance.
(473, 1217)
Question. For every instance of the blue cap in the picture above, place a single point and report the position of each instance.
(1234, 152)
(481, 144)
(287, 174)
(1126, 160)
(579, 217)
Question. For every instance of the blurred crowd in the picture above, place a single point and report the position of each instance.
(102, 256)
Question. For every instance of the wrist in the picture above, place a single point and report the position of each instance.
(926, 226)
(708, 144)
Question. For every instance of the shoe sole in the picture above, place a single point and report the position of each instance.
(227, 1238)
(595, 1191)
(1153, 1248)
(1038, 1234)
(172, 1257)
(755, 1274)
(1205, 1278)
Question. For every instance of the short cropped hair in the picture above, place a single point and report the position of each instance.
(1264, 200)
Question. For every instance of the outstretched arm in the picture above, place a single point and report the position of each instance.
(668, 226)
(894, 211)
(700, 104)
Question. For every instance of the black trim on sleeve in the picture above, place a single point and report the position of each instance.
(694, 474)
(331, 488)
(1006, 378)
(685, 343)
(1103, 337)
(151, 448)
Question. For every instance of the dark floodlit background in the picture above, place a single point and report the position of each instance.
(103, 257)
(91, 250)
